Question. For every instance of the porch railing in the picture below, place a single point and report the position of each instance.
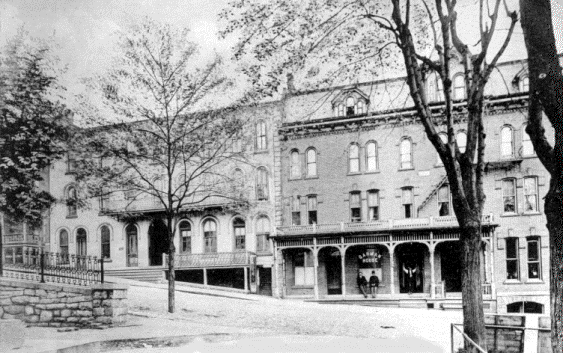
(221, 259)
(54, 267)
(391, 224)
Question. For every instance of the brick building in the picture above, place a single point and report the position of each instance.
(343, 180)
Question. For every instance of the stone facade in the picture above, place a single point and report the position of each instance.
(54, 305)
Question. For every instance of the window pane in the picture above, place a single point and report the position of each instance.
(354, 156)
(311, 162)
(533, 250)
(509, 198)
(512, 269)
(511, 248)
(527, 147)
(295, 168)
(371, 155)
(406, 156)
(373, 198)
(506, 141)
(534, 270)
(355, 199)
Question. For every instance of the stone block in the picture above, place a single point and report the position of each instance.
(72, 319)
(10, 316)
(85, 305)
(5, 301)
(65, 313)
(52, 295)
(29, 291)
(98, 311)
(32, 318)
(54, 324)
(72, 306)
(77, 299)
(83, 313)
(22, 299)
(48, 300)
(33, 300)
(55, 306)
(14, 309)
(59, 319)
(41, 306)
(29, 310)
(45, 316)
(56, 313)
(104, 319)
(63, 294)
(96, 302)
(41, 293)
(85, 319)
(97, 294)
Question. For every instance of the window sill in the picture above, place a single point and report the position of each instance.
(535, 213)
(303, 287)
(405, 169)
(535, 281)
(354, 173)
(512, 281)
(509, 215)
(372, 171)
(293, 179)
(70, 217)
(312, 177)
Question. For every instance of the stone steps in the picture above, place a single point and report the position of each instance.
(150, 274)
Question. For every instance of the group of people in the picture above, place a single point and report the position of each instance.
(363, 284)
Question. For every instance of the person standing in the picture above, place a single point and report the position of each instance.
(410, 272)
(362, 283)
(373, 284)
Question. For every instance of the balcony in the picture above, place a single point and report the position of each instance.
(221, 259)
(379, 226)
(19, 238)
(150, 204)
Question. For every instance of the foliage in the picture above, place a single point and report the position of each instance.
(33, 128)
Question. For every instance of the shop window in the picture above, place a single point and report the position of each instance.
(105, 240)
(354, 158)
(509, 195)
(506, 142)
(239, 230)
(512, 261)
(407, 198)
(527, 147)
(373, 205)
(296, 211)
(63, 242)
(81, 240)
(406, 153)
(295, 165)
(210, 235)
(262, 184)
(534, 258)
(261, 140)
(304, 269)
(355, 207)
(263, 234)
(311, 156)
(185, 228)
(459, 87)
(444, 200)
(530, 194)
(371, 157)
(312, 209)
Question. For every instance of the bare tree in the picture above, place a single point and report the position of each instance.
(329, 39)
(546, 97)
(159, 143)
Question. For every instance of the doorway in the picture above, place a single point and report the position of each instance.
(158, 242)
(132, 246)
(450, 263)
(411, 267)
(265, 280)
(333, 268)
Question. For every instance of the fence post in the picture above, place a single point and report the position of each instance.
(42, 262)
(102, 269)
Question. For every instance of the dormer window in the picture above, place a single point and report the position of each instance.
(350, 102)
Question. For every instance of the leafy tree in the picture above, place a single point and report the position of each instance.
(337, 41)
(33, 129)
(546, 97)
(151, 138)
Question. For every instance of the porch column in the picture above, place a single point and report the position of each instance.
(392, 268)
(432, 274)
(315, 268)
(204, 276)
(276, 293)
(343, 266)
(245, 278)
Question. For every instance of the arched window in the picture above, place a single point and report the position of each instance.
(185, 228)
(105, 240)
(459, 87)
(261, 140)
(295, 165)
(527, 147)
(262, 184)
(239, 230)
(71, 201)
(210, 235)
(262, 234)
(311, 162)
(406, 153)
(350, 106)
(354, 158)
(506, 141)
(132, 245)
(444, 139)
(461, 139)
(371, 156)
(63, 242)
(524, 84)
(81, 240)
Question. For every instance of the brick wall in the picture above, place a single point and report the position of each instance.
(42, 304)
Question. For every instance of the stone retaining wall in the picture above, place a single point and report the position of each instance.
(51, 304)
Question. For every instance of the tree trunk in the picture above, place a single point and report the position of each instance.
(553, 212)
(171, 270)
(472, 295)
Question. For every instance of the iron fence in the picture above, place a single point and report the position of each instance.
(56, 267)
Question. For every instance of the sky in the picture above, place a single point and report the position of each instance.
(85, 30)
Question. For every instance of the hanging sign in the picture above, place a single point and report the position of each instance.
(370, 255)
